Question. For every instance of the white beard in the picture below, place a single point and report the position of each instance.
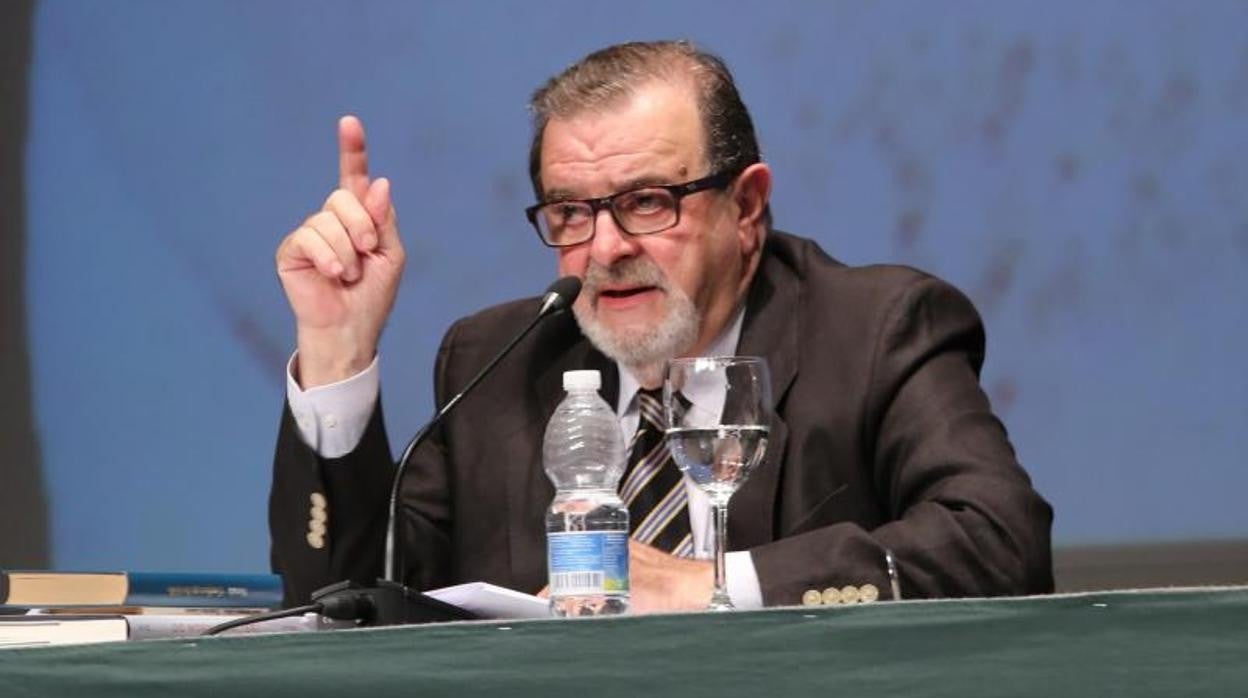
(642, 350)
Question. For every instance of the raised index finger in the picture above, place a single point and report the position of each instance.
(352, 157)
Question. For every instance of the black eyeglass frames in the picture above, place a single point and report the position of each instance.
(641, 211)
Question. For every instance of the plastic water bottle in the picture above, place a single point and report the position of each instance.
(587, 523)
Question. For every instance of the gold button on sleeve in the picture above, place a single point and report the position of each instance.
(831, 596)
(812, 597)
(849, 594)
(868, 593)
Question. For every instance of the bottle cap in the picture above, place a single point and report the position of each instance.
(581, 380)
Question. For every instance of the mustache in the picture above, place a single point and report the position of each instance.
(635, 271)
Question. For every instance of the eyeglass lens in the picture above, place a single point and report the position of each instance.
(638, 212)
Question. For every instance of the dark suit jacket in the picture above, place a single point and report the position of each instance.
(882, 439)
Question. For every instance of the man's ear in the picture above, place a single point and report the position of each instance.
(752, 194)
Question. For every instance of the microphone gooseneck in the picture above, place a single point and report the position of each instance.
(388, 602)
(558, 297)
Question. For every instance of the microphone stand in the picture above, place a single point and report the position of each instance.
(390, 602)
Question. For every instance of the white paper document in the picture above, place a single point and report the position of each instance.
(493, 602)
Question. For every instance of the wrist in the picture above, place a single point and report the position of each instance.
(704, 582)
(321, 360)
(691, 583)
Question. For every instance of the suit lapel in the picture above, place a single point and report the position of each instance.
(581, 355)
(769, 330)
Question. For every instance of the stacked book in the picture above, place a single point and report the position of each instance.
(46, 608)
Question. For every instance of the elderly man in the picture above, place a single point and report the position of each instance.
(651, 189)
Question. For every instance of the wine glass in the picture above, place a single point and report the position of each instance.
(718, 411)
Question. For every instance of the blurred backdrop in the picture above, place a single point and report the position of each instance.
(1079, 168)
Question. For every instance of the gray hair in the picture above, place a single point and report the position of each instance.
(607, 77)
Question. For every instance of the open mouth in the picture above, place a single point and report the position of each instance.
(623, 293)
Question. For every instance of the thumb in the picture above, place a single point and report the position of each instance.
(380, 207)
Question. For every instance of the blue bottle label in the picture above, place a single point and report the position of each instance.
(587, 562)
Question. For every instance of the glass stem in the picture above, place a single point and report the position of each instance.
(720, 600)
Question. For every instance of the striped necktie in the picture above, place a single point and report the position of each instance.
(652, 487)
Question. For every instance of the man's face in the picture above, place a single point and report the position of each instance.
(646, 298)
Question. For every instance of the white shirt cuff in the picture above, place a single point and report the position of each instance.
(332, 418)
(743, 586)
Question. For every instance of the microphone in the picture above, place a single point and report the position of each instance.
(392, 602)
(560, 295)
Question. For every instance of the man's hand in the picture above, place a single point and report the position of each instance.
(341, 267)
(662, 582)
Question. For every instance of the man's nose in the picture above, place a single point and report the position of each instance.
(610, 243)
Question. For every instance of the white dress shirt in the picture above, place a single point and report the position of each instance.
(332, 419)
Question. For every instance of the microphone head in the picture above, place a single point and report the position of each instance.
(561, 294)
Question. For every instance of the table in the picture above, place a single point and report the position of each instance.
(1162, 643)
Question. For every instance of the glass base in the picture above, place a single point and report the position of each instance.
(720, 602)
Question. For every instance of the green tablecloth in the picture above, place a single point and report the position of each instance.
(1178, 643)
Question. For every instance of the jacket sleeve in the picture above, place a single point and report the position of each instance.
(960, 515)
(327, 517)
(346, 539)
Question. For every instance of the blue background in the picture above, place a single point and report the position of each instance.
(1079, 168)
